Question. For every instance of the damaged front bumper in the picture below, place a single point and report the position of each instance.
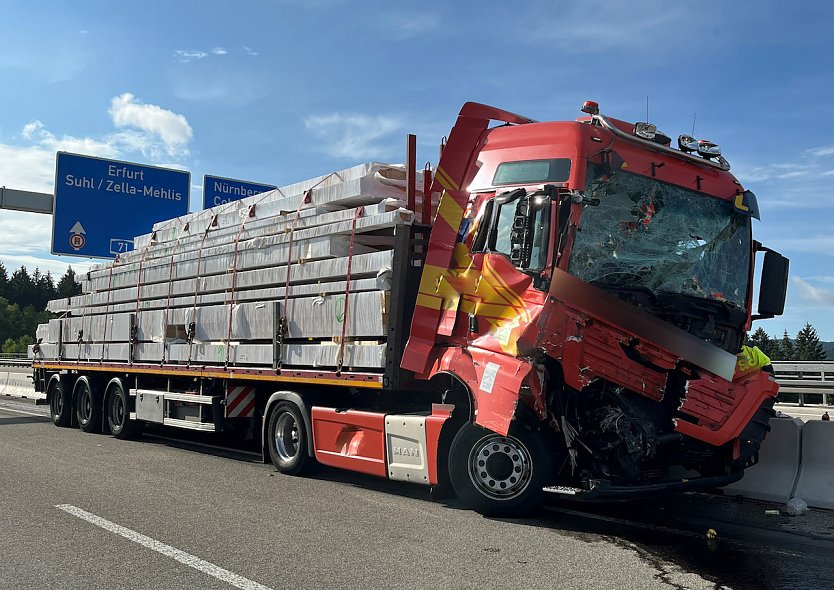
(605, 491)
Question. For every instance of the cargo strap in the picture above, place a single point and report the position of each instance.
(211, 224)
(250, 214)
(283, 323)
(183, 230)
(134, 329)
(340, 360)
(107, 308)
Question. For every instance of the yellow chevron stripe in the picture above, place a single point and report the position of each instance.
(450, 211)
(429, 301)
(445, 179)
(506, 291)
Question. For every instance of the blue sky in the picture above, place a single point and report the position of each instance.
(278, 91)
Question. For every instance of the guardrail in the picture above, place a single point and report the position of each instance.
(15, 360)
(805, 382)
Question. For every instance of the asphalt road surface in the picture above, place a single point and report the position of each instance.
(89, 511)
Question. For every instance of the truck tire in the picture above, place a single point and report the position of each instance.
(287, 438)
(499, 475)
(60, 403)
(117, 411)
(87, 406)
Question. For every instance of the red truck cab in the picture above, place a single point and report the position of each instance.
(586, 290)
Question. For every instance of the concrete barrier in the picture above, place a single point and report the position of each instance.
(816, 476)
(17, 385)
(774, 477)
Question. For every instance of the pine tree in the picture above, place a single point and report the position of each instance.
(808, 345)
(4, 281)
(787, 351)
(765, 343)
(21, 288)
(67, 286)
(44, 290)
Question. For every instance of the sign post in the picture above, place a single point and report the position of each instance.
(218, 190)
(101, 205)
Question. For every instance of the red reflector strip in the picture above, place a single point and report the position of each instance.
(240, 402)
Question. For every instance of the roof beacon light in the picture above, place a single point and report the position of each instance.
(645, 130)
(687, 143)
(590, 107)
(707, 149)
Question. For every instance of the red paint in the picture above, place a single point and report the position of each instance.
(352, 440)
(434, 424)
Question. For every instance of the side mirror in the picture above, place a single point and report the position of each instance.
(774, 285)
(521, 237)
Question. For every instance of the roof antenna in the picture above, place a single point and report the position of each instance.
(647, 108)
(693, 123)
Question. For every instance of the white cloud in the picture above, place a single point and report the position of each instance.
(55, 266)
(408, 26)
(173, 129)
(188, 55)
(821, 152)
(353, 135)
(25, 237)
(813, 244)
(811, 294)
(822, 278)
(788, 170)
(600, 25)
(250, 51)
(24, 233)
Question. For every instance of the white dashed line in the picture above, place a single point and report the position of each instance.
(166, 550)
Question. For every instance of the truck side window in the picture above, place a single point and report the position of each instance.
(504, 225)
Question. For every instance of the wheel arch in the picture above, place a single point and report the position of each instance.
(66, 382)
(294, 398)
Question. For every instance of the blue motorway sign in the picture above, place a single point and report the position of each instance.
(217, 190)
(101, 205)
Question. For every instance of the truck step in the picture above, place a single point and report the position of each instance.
(189, 425)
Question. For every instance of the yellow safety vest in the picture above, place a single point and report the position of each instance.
(751, 358)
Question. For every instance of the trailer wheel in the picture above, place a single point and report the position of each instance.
(117, 411)
(87, 407)
(60, 403)
(499, 475)
(287, 438)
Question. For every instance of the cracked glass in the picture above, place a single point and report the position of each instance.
(649, 235)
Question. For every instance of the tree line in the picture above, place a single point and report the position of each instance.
(23, 299)
(805, 347)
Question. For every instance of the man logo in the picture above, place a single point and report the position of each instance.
(406, 451)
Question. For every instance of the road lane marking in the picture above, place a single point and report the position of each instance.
(166, 550)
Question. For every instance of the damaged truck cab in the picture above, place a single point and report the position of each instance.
(585, 293)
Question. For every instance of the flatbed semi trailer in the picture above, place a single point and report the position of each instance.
(569, 316)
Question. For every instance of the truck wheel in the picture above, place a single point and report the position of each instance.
(117, 411)
(499, 475)
(60, 403)
(287, 439)
(87, 407)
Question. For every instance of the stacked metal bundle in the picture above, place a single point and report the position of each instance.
(304, 270)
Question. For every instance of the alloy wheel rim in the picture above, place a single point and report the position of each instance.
(500, 467)
(286, 436)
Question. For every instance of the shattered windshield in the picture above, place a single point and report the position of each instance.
(645, 234)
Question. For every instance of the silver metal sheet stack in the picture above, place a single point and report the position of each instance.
(213, 287)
